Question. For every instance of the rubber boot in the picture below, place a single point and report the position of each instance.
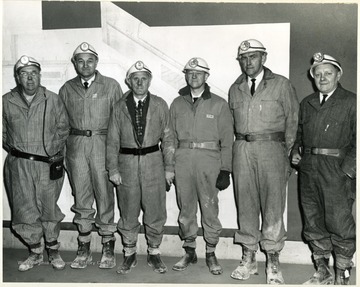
(323, 275)
(31, 261)
(83, 256)
(342, 276)
(273, 272)
(129, 262)
(213, 264)
(55, 259)
(248, 265)
(108, 256)
(189, 258)
(156, 263)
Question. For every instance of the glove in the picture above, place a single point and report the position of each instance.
(223, 180)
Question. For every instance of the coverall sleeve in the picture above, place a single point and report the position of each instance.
(298, 141)
(348, 166)
(173, 124)
(62, 123)
(113, 141)
(167, 139)
(4, 128)
(226, 135)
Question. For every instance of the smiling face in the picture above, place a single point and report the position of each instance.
(252, 63)
(29, 78)
(326, 77)
(140, 83)
(85, 65)
(196, 79)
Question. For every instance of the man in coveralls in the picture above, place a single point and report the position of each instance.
(139, 167)
(35, 127)
(89, 99)
(204, 135)
(265, 110)
(325, 153)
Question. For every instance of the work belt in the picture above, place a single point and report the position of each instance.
(199, 145)
(88, 133)
(139, 151)
(326, 151)
(33, 157)
(278, 136)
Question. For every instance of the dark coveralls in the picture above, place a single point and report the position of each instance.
(143, 176)
(326, 193)
(261, 168)
(208, 120)
(89, 109)
(32, 195)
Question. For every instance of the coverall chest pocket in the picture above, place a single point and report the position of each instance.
(270, 111)
(100, 108)
(239, 112)
(183, 125)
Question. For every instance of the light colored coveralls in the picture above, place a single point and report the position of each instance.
(196, 170)
(89, 109)
(261, 168)
(143, 176)
(32, 195)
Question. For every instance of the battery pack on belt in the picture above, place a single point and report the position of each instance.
(139, 151)
(30, 156)
(87, 133)
(278, 136)
(325, 151)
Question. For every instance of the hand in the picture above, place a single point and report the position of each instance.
(169, 178)
(116, 179)
(223, 180)
(295, 158)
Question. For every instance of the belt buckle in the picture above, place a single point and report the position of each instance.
(31, 158)
(191, 145)
(139, 151)
(88, 133)
(247, 137)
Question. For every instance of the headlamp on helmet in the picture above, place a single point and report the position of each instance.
(197, 64)
(139, 66)
(85, 47)
(26, 61)
(250, 45)
(320, 59)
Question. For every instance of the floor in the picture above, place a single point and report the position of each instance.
(142, 273)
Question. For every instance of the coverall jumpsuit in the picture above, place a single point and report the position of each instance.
(32, 195)
(325, 189)
(196, 170)
(261, 168)
(143, 176)
(89, 109)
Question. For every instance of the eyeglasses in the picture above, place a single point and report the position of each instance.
(24, 74)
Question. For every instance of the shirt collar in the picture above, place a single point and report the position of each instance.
(89, 81)
(258, 78)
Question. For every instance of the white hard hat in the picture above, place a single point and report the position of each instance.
(85, 48)
(139, 66)
(26, 61)
(197, 64)
(320, 59)
(250, 45)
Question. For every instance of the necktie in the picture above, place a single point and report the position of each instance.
(86, 85)
(138, 119)
(323, 100)
(252, 89)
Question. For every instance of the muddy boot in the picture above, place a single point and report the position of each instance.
(189, 258)
(31, 261)
(156, 263)
(273, 272)
(213, 264)
(129, 262)
(342, 276)
(83, 256)
(55, 259)
(108, 256)
(323, 275)
(248, 265)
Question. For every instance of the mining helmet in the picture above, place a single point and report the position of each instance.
(139, 66)
(320, 59)
(26, 61)
(250, 45)
(85, 47)
(197, 64)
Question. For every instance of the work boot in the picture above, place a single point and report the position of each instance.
(323, 275)
(213, 264)
(248, 265)
(108, 257)
(342, 276)
(273, 272)
(31, 261)
(156, 263)
(83, 256)
(129, 262)
(189, 258)
(55, 259)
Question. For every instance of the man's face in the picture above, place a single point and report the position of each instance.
(140, 83)
(326, 77)
(251, 63)
(85, 65)
(196, 79)
(29, 79)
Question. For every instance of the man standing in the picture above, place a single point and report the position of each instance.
(35, 127)
(89, 98)
(204, 135)
(140, 169)
(325, 153)
(265, 110)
